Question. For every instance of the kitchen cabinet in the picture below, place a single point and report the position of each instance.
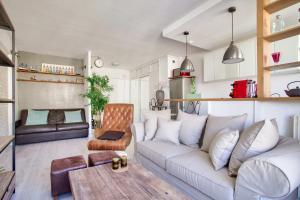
(248, 68)
(215, 70)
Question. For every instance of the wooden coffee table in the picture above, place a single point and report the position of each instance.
(137, 183)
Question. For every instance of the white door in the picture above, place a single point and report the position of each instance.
(139, 95)
(134, 98)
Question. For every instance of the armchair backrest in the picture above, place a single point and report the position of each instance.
(118, 117)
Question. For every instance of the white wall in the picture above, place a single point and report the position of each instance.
(282, 111)
(119, 79)
(33, 95)
(5, 85)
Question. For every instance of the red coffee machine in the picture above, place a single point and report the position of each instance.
(244, 89)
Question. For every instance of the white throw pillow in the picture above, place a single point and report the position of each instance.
(258, 138)
(222, 146)
(150, 117)
(168, 131)
(215, 124)
(191, 128)
(150, 128)
(164, 114)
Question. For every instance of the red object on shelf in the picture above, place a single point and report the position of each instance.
(239, 89)
(244, 89)
(185, 73)
(276, 57)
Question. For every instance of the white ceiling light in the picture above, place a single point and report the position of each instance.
(115, 64)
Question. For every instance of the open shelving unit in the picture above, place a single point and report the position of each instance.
(45, 81)
(37, 72)
(7, 183)
(264, 38)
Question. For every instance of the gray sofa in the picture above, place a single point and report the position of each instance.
(272, 175)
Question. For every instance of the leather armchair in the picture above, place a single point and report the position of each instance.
(117, 117)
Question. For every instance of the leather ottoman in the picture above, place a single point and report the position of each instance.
(59, 173)
(101, 158)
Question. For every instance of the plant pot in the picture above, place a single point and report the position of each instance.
(97, 120)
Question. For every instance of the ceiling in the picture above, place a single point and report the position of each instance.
(131, 32)
(210, 23)
(126, 32)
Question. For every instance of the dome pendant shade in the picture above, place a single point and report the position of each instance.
(233, 55)
(186, 65)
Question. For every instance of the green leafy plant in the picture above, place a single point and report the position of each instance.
(98, 92)
(193, 86)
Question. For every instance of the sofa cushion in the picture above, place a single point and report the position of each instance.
(158, 151)
(56, 117)
(37, 117)
(256, 139)
(222, 146)
(216, 123)
(167, 131)
(195, 169)
(72, 126)
(191, 128)
(150, 118)
(35, 129)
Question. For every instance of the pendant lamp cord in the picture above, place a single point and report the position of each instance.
(232, 27)
(186, 45)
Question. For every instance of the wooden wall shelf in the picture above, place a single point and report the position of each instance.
(6, 100)
(238, 99)
(290, 32)
(5, 141)
(45, 81)
(32, 72)
(279, 5)
(5, 22)
(5, 61)
(283, 66)
(6, 181)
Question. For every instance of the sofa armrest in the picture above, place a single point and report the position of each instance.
(18, 123)
(138, 131)
(274, 174)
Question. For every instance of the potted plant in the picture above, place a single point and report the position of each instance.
(98, 93)
(193, 90)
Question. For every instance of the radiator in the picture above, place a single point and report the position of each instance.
(296, 135)
(296, 127)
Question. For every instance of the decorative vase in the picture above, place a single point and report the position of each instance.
(160, 97)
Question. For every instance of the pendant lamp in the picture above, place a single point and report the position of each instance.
(233, 54)
(186, 65)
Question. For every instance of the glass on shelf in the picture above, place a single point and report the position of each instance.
(278, 24)
(276, 57)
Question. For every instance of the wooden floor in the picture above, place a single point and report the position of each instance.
(33, 166)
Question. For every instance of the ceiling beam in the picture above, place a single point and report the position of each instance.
(191, 15)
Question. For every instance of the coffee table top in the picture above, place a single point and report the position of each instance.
(137, 183)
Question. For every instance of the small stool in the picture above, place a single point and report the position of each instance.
(101, 158)
(59, 173)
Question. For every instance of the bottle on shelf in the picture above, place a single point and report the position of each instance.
(278, 24)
